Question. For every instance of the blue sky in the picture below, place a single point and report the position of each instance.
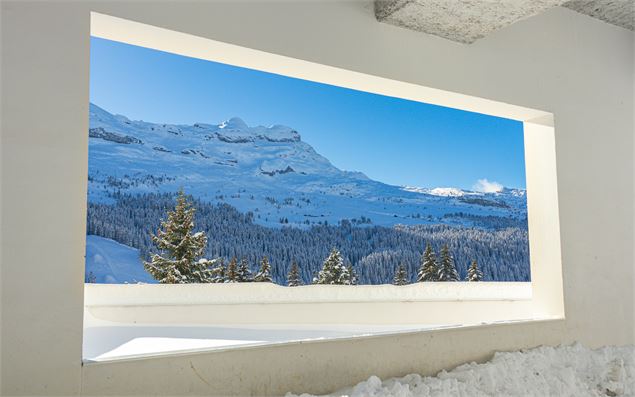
(389, 139)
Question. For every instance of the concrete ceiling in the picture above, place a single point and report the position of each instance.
(616, 12)
(466, 21)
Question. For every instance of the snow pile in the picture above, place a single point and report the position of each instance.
(545, 371)
(113, 263)
(446, 192)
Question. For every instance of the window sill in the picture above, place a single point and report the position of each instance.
(258, 293)
(123, 322)
(106, 341)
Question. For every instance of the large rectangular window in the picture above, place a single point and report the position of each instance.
(292, 181)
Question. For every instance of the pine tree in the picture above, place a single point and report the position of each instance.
(203, 270)
(179, 248)
(447, 271)
(429, 269)
(353, 274)
(232, 271)
(244, 273)
(264, 274)
(90, 278)
(333, 270)
(293, 278)
(474, 273)
(401, 276)
(502, 253)
(344, 277)
(218, 272)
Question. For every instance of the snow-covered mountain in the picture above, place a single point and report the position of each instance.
(269, 171)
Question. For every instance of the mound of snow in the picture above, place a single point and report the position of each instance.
(235, 130)
(235, 123)
(447, 191)
(437, 191)
(545, 371)
(114, 263)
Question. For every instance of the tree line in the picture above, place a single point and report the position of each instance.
(372, 253)
(180, 250)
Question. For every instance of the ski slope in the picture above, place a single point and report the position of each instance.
(114, 263)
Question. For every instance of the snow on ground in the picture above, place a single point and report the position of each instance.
(564, 371)
(114, 263)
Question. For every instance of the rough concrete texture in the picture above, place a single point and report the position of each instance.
(459, 20)
(617, 12)
(466, 21)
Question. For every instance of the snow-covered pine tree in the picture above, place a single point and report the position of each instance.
(178, 247)
(474, 273)
(429, 269)
(244, 273)
(345, 277)
(447, 271)
(501, 251)
(203, 270)
(333, 270)
(353, 274)
(401, 276)
(231, 276)
(264, 274)
(90, 278)
(293, 278)
(218, 272)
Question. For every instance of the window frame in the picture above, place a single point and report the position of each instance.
(539, 299)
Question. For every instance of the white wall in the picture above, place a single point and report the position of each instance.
(578, 68)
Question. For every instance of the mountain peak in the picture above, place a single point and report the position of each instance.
(281, 133)
(438, 191)
(235, 123)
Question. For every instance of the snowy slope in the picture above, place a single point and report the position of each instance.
(114, 263)
(267, 170)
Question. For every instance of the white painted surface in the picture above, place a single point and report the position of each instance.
(142, 321)
(174, 41)
(578, 68)
(109, 341)
(235, 293)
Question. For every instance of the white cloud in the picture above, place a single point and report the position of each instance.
(485, 186)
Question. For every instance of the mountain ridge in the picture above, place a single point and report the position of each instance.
(269, 171)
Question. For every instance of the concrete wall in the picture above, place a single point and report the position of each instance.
(578, 68)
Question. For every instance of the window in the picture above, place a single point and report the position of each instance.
(303, 163)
